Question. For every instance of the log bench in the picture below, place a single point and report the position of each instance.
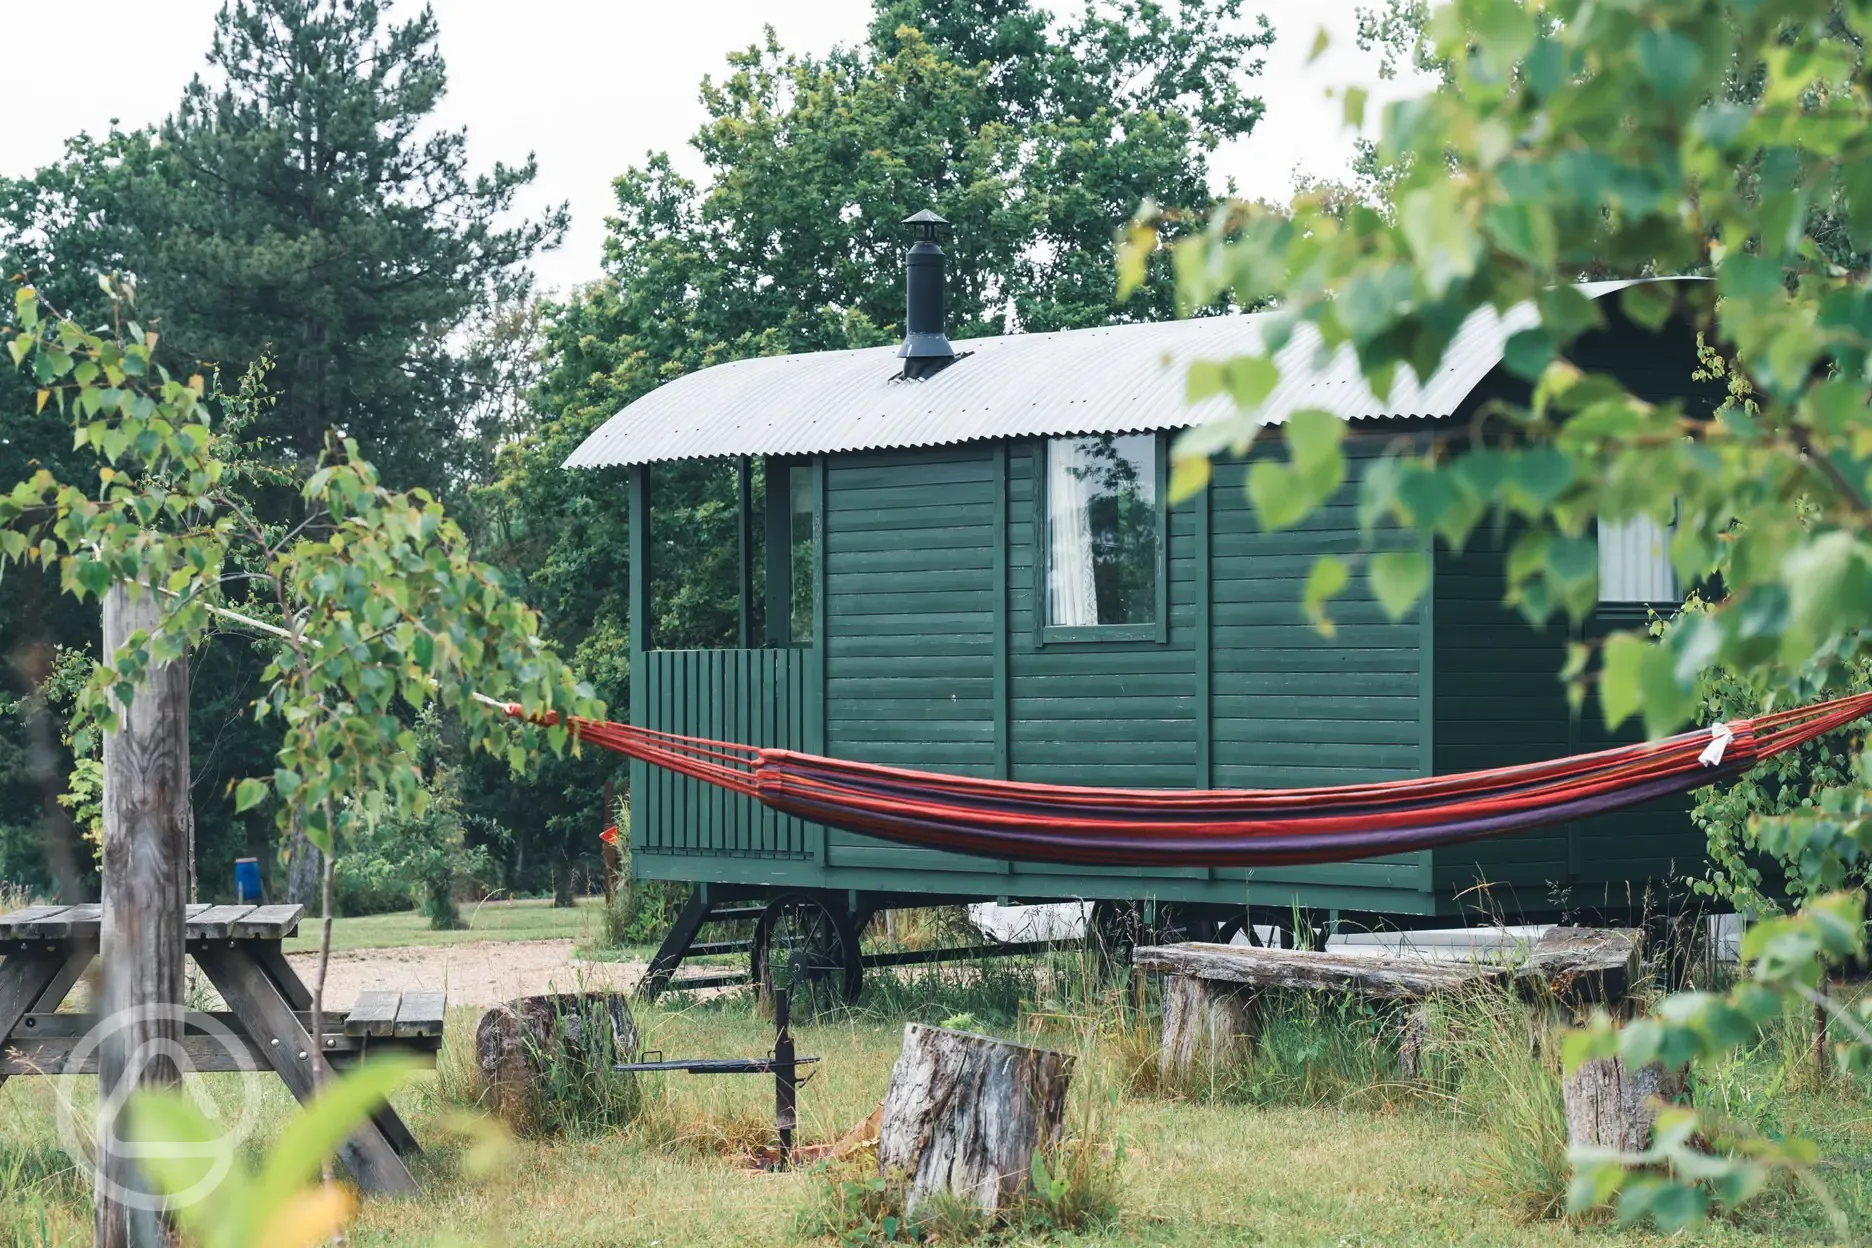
(1210, 991)
(267, 1025)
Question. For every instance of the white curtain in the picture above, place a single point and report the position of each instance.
(1634, 562)
(1072, 596)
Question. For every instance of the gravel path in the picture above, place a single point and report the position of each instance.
(481, 973)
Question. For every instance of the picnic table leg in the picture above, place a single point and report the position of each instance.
(268, 1017)
(27, 980)
(268, 954)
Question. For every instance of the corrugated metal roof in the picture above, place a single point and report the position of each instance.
(1119, 379)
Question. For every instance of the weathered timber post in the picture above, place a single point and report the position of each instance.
(1206, 1023)
(146, 873)
(964, 1114)
(1611, 1105)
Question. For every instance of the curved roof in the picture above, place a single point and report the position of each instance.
(1119, 379)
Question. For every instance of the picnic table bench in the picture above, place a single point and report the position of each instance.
(1210, 990)
(268, 1023)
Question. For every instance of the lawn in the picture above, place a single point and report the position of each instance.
(1311, 1164)
(531, 919)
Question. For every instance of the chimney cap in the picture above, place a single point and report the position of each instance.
(928, 220)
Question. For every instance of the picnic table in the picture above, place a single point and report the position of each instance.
(268, 1023)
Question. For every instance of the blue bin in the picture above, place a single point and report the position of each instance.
(247, 880)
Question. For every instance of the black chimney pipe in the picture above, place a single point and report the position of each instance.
(925, 351)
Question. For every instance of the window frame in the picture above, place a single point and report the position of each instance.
(778, 572)
(1045, 634)
(1638, 609)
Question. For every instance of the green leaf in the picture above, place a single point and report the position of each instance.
(1326, 580)
(249, 794)
(1621, 677)
(1527, 353)
(1249, 379)
(1442, 242)
(1189, 476)
(1650, 304)
(1354, 114)
(1399, 579)
(1670, 60)
(1314, 436)
(182, 1152)
(1280, 498)
(325, 1123)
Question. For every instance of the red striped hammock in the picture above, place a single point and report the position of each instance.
(1220, 827)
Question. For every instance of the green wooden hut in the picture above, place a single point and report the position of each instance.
(972, 567)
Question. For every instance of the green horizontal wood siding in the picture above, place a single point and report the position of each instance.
(1099, 712)
(1500, 701)
(910, 628)
(1292, 707)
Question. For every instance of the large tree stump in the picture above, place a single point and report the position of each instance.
(1610, 1105)
(560, 1045)
(1206, 1024)
(965, 1113)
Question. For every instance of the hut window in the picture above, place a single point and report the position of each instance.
(1104, 526)
(800, 508)
(1634, 562)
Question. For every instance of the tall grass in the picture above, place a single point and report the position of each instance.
(13, 897)
(1498, 1059)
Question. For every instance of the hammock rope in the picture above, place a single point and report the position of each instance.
(1077, 825)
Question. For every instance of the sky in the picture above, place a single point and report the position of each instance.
(591, 86)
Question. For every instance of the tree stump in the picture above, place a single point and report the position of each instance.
(964, 1114)
(563, 1046)
(1609, 1105)
(1206, 1024)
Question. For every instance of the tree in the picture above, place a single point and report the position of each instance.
(298, 205)
(380, 610)
(1570, 138)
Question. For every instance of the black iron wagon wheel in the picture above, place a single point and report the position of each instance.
(811, 947)
(1280, 933)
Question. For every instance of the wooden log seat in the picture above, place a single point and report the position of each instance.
(1211, 991)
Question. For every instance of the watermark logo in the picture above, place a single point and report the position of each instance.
(88, 1133)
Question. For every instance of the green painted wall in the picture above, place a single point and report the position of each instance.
(1290, 707)
(1499, 701)
(928, 562)
(909, 625)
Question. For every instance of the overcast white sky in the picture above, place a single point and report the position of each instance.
(590, 86)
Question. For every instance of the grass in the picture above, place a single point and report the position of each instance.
(494, 920)
(1314, 1141)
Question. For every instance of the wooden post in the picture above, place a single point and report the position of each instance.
(146, 873)
(1610, 1105)
(965, 1113)
(744, 576)
(1822, 1049)
(1205, 1025)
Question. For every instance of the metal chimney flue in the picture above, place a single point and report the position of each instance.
(926, 350)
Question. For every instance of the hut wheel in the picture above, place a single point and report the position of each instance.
(811, 946)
